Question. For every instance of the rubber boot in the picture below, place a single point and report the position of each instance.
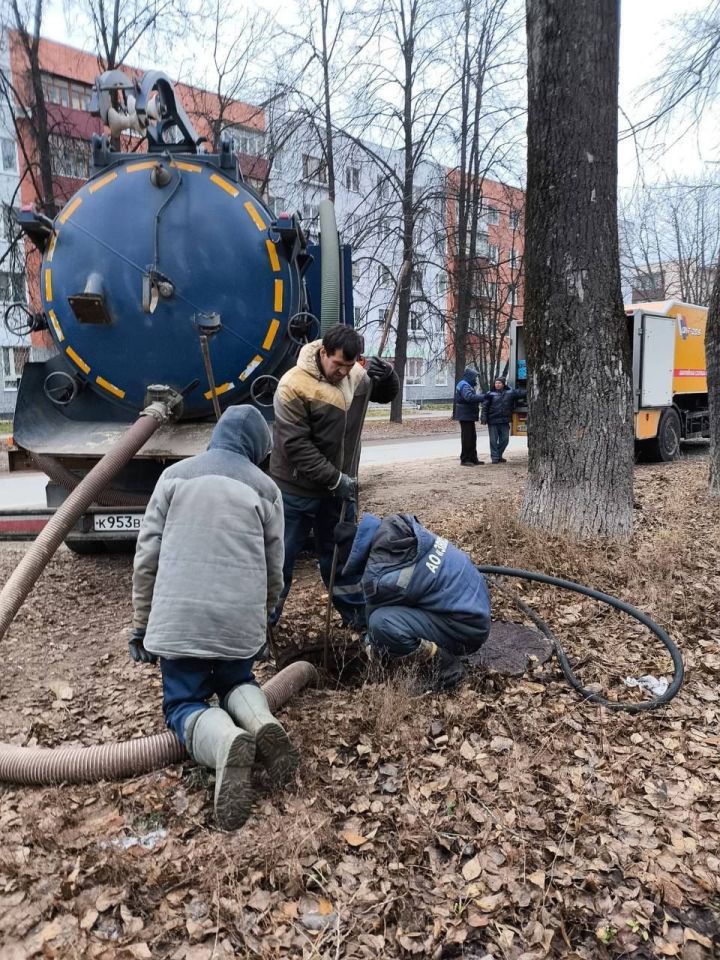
(440, 669)
(247, 705)
(213, 740)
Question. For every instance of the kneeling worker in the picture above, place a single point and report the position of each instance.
(208, 567)
(425, 601)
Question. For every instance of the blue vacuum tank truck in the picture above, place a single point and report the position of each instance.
(165, 267)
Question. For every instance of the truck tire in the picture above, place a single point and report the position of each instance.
(666, 446)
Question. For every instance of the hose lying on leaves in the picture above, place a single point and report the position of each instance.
(655, 702)
(112, 761)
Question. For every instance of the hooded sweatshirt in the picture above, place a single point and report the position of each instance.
(467, 401)
(209, 556)
(317, 423)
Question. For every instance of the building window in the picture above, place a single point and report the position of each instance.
(70, 157)
(441, 375)
(490, 290)
(310, 212)
(514, 219)
(14, 360)
(381, 317)
(489, 212)
(383, 187)
(513, 259)
(278, 205)
(442, 285)
(7, 222)
(417, 280)
(314, 169)
(414, 370)
(385, 277)
(352, 179)
(357, 314)
(245, 140)
(415, 323)
(12, 287)
(8, 155)
(384, 229)
(355, 271)
(66, 93)
(492, 252)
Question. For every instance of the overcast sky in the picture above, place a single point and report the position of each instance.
(646, 40)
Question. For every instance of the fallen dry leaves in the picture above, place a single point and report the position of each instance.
(507, 821)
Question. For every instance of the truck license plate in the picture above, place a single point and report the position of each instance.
(110, 522)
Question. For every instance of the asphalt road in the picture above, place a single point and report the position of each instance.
(26, 490)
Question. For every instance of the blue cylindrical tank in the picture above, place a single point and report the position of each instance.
(141, 259)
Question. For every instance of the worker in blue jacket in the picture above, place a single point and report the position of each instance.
(499, 404)
(426, 603)
(466, 409)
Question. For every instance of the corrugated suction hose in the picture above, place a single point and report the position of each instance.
(35, 766)
(109, 497)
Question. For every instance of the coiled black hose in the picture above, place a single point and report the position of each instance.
(668, 643)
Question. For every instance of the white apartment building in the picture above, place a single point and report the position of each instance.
(369, 215)
(15, 350)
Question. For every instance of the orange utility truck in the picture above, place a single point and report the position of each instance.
(670, 396)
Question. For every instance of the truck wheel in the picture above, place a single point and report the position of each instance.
(666, 446)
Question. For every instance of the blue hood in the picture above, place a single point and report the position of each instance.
(356, 562)
(471, 376)
(242, 430)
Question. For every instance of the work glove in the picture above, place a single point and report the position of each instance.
(346, 488)
(378, 369)
(137, 647)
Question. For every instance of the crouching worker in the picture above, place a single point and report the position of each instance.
(208, 567)
(425, 602)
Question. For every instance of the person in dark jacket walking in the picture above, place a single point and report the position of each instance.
(499, 405)
(426, 602)
(467, 411)
(208, 566)
(319, 408)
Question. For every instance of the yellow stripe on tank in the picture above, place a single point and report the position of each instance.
(51, 249)
(224, 185)
(48, 285)
(145, 165)
(190, 167)
(110, 387)
(77, 360)
(278, 295)
(223, 388)
(69, 209)
(254, 215)
(56, 325)
(272, 253)
(271, 334)
(253, 365)
(102, 182)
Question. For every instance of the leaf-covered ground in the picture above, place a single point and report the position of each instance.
(509, 820)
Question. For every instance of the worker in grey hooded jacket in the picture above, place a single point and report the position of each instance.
(208, 568)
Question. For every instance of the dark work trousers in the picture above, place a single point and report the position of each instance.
(319, 514)
(468, 442)
(189, 682)
(397, 631)
(499, 439)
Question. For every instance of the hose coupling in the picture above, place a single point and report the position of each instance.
(163, 403)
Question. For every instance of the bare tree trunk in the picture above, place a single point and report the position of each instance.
(712, 360)
(580, 428)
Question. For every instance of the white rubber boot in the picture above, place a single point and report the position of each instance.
(247, 705)
(213, 740)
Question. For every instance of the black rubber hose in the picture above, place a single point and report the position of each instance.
(668, 643)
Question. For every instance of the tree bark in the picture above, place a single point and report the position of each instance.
(712, 361)
(580, 423)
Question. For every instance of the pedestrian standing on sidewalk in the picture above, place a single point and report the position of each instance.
(319, 407)
(208, 567)
(499, 405)
(466, 410)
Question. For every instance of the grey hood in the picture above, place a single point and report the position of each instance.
(471, 376)
(242, 430)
